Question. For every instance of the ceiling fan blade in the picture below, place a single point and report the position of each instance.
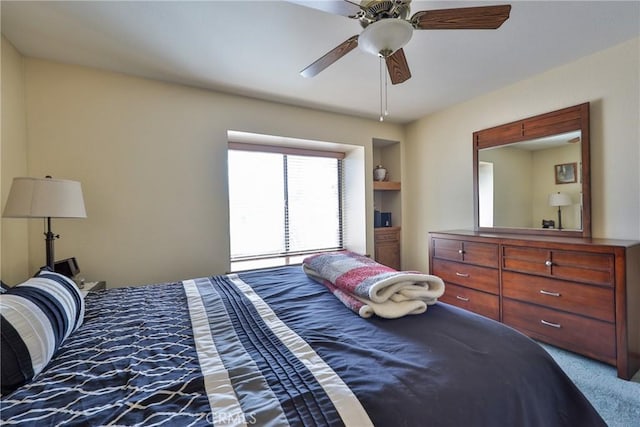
(465, 18)
(398, 67)
(337, 7)
(330, 57)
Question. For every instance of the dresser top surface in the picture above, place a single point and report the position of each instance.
(534, 238)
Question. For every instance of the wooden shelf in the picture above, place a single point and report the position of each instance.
(386, 185)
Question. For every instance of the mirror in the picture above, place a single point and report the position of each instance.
(532, 176)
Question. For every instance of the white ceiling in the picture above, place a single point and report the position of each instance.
(257, 48)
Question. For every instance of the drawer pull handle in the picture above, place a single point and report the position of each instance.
(553, 325)
(462, 298)
(552, 294)
(548, 263)
(462, 274)
(460, 251)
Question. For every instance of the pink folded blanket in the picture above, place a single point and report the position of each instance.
(368, 287)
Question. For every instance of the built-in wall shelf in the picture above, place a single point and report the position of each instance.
(387, 201)
(386, 186)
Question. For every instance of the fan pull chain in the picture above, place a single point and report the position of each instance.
(386, 82)
(384, 111)
(381, 88)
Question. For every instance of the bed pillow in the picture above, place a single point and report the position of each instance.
(36, 317)
(4, 287)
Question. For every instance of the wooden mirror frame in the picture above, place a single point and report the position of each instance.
(553, 123)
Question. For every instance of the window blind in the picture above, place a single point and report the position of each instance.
(283, 204)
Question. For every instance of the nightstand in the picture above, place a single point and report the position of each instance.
(93, 287)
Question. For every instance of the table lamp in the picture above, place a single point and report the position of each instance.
(559, 199)
(45, 198)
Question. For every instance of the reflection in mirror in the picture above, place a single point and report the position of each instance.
(533, 175)
(518, 183)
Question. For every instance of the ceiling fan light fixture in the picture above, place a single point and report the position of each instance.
(386, 36)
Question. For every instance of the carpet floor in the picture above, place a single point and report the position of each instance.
(617, 401)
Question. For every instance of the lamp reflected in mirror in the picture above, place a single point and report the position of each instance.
(560, 199)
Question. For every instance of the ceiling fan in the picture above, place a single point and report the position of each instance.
(387, 29)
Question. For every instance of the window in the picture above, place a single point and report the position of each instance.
(283, 202)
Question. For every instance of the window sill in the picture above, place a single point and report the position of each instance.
(254, 264)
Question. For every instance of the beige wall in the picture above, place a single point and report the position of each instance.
(13, 162)
(437, 189)
(151, 158)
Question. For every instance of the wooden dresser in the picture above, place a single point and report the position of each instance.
(580, 294)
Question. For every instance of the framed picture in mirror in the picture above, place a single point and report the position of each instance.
(566, 173)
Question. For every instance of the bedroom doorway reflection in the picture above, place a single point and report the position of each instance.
(485, 193)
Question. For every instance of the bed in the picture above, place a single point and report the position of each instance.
(273, 347)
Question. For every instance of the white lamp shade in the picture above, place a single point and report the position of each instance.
(560, 199)
(386, 35)
(45, 197)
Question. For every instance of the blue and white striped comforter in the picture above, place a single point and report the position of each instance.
(276, 348)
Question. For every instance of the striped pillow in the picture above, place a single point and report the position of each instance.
(4, 287)
(36, 317)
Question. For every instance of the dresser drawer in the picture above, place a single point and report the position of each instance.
(387, 234)
(480, 278)
(447, 249)
(591, 337)
(485, 254)
(587, 300)
(571, 265)
(472, 300)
